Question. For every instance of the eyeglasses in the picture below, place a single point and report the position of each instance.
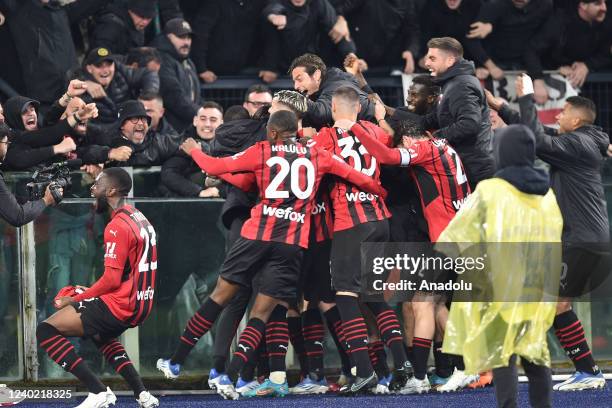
(139, 119)
(259, 104)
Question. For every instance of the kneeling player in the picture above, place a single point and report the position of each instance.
(120, 299)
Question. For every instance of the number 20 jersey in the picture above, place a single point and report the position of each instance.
(352, 206)
(131, 249)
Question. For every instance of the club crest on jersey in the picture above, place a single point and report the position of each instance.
(291, 148)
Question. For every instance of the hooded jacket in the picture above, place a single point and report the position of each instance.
(575, 159)
(179, 84)
(319, 112)
(462, 118)
(115, 30)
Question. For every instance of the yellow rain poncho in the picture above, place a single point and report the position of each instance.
(486, 333)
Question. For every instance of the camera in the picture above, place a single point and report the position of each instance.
(58, 174)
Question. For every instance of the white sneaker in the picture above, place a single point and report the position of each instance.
(457, 381)
(226, 389)
(416, 386)
(580, 381)
(102, 399)
(146, 400)
(171, 371)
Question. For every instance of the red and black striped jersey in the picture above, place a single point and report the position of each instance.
(352, 206)
(322, 222)
(131, 249)
(287, 176)
(437, 171)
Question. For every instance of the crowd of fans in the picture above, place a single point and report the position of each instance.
(143, 63)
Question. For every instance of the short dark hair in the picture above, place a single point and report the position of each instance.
(427, 82)
(141, 56)
(346, 93)
(151, 96)
(407, 127)
(448, 44)
(586, 105)
(310, 62)
(212, 105)
(236, 112)
(283, 122)
(257, 88)
(120, 179)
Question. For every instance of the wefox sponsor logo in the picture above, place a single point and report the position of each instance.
(145, 294)
(361, 196)
(458, 203)
(289, 149)
(283, 213)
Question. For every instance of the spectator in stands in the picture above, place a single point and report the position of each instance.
(255, 97)
(159, 128)
(41, 32)
(181, 176)
(180, 87)
(225, 32)
(462, 115)
(575, 41)
(508, 26)
(133, 132)
(452, 18)
(110, 83)
(144, 57)
(385, 32)
(122, 25)
(311, 77)
(293, 28)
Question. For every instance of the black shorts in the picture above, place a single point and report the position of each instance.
(276, 264)
(583, 270)
(98, 321)
(316, 274)
(346, 253)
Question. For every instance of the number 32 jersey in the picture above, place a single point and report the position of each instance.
(288, 176)
(131, 247)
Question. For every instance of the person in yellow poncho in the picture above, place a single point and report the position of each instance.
(514, 211)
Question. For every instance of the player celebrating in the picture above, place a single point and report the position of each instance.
(272, 240)
(120, 299)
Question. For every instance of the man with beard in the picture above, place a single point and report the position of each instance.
(122, 298)
(180, 87)
(180, 176)
(147, 150)
(312, 78)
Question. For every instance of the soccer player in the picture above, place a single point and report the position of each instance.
(358, 217)
(120, 299)
(272, 240)
(442, 184)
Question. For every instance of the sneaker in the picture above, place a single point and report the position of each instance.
(146, 400)
(310, 385)
(436, 381)
(171, 371)
(213, 378)
(457, 381)
(416, 386)
(483, 380)
(358, 384)
(268, 389)
(244, 386)
(102, 399)
(225, 388)
(343, 380)
(580, 381)
(400, 377)
(383, 386)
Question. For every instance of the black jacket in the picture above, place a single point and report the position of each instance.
(565, 39)
(513, 28)
(225, 32)
(444, 22)
(13, 212)
(306, 25)
(179, 85)
(128, 83)
(382, 29)
(462, 118)
(44, 44)
(575, 159)
(153, 151)
(319, 105)
(114, 29)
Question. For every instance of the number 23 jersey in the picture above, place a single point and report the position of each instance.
(131, 247)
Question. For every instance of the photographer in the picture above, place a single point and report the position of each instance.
(11, 211)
